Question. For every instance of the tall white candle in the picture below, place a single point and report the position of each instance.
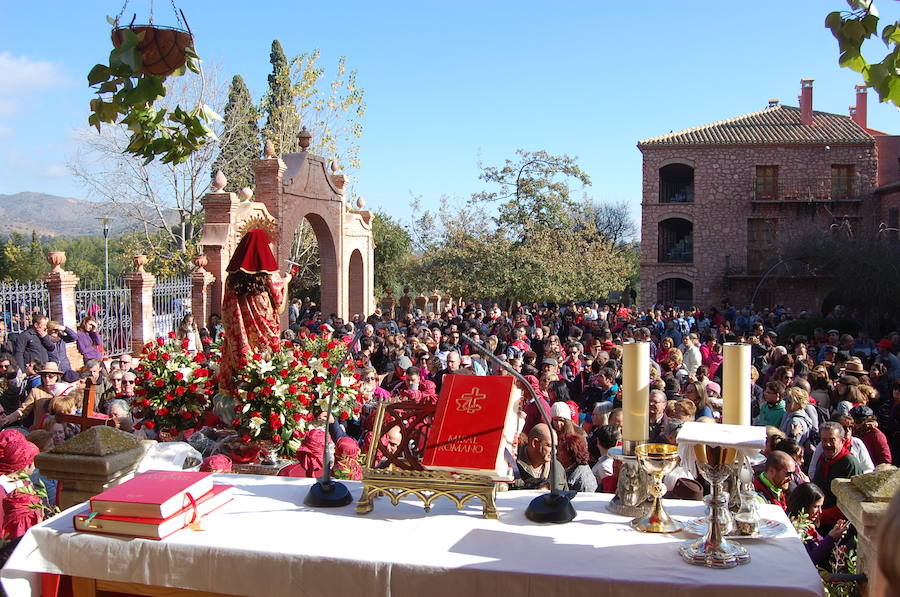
(636, 391)
(736, 384)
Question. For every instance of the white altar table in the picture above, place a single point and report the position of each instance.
(266, 543)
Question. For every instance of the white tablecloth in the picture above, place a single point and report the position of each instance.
(266, 543)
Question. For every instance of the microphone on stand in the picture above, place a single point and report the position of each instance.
(555, 506)
(326, 493)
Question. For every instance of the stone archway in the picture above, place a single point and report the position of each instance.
(300, 185)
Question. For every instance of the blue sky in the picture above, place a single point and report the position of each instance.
(451, 83)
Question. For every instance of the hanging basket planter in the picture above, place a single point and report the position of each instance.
(162, 49)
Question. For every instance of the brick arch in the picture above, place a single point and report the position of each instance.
(677, 160)
(674, 289)
(329, 272)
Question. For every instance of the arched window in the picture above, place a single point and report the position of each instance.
(676, 184)
(675, 291)
(676, 241)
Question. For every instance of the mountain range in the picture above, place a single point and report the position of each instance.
(52, 215)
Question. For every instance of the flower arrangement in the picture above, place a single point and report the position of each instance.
(283, 391)
(174, 388)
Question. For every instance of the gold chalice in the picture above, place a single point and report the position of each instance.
(657, 460)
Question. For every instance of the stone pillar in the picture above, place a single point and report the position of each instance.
(864, 501)
(448, 302)
(61, 288)
(141, 284)
(422, 302)
(405, 303)
(436, 301)
(218, 211)
(92, 462)
(387, 303)
(201, 280)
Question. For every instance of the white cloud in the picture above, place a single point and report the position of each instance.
(56, 171)
(21, 74)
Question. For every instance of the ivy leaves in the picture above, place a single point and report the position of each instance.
(851, 29)
(126, 96)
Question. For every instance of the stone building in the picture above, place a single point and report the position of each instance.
(719, 200)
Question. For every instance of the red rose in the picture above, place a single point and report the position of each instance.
(333, 370)
(307, 354)
(288, 404)
(206, 340)
(179, 375)
(284, 373)
(344, 416)
(162, 411)
(185, 343)
(266, 390)
(323, 354)
(201, 372)
(331, 345)
(326, 364)
(245, 438)
(317, 379)
(251, 395)
(192, 387)
(149, 424)
(180, 390)
(294, 364)
(313, 337)
(276, 424)
(145, 402)
(276, 439)
(292, 389)
(304, 400)
(199, 357)
(304, 379)
(159, 383)
(270, 380)
(297, 433)
(297, 417)
(160, 341)
(238, 408)
(165, 357)
(170, 396)
(255, 413)
(152, 356)
(172, 335)
(257, 357)
(235, 422)
(356, 410)
(147, 375)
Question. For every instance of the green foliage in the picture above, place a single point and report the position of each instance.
(393, 251)
(126, 96)
(282, 121)
(239, 145)
(859, 24)
(541, 245)
(26, 261)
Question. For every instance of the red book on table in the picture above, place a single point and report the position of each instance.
(474, 426)
(154, 494)
(155, 528)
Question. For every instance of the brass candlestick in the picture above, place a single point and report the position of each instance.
(657, 460)
(715, 463)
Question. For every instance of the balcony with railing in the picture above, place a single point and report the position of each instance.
(805, 189)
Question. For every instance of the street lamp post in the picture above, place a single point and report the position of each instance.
(105, 222)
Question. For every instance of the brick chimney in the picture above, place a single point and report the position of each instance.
(859, 114)
(806, 101)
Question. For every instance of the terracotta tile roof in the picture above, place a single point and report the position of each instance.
(777, 125)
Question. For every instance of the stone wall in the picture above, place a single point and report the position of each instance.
(724, 201)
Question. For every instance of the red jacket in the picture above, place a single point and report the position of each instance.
(877, 445)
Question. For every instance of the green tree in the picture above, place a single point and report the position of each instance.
(852, 28)
(282, 120)
(239, 144)
(393, 251)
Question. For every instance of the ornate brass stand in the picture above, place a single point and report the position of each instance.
(397, 473)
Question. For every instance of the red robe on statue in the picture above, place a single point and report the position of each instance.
(250, 322)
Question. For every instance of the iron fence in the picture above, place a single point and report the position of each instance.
(171, 302)
(111, 307)
(19, 301)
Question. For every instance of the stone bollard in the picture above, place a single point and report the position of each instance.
(91, 462)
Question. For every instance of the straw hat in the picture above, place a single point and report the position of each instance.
(854, 367)
(50, 367)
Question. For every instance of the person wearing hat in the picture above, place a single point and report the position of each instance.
(888, 358)
(865, 427)
(398, 374)
(38, 398)
(255, 294)
(846, 394)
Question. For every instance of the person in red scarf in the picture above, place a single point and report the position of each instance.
(18, 503)
(309, 457)
(836, 463)
(255, 293)
(772, 483)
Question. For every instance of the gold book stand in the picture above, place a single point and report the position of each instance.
(397, 472)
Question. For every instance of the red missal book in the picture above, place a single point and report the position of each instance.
(155, 528)
(474, 426)
(154, 494)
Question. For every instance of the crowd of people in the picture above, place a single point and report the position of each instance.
(830, 402)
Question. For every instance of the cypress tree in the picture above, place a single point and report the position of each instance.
(282, 120)
(240, 142)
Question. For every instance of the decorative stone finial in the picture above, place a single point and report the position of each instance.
(139, 262)
(268, 149)
(57, 259)
(360, 203)
(201, 261)
(219, 182)
(334, 167)
(305, 138)
(246, 193)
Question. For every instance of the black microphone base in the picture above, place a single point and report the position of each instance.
(328, 495)
(550, 507)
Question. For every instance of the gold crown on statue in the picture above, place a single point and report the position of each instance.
(258, 221)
